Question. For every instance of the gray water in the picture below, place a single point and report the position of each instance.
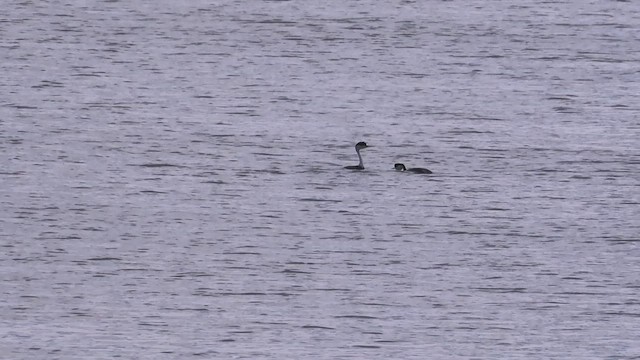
(173, 184)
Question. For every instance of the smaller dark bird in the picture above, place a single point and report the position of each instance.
(401, 167)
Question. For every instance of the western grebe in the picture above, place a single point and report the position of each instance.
(401, 167)
(359, 146)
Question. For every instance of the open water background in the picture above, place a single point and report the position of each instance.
(172, 182)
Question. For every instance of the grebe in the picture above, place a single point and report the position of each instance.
(401, 167)
(359, 146)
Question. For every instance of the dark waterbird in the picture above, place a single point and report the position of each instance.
(401, 167)
(359, 146)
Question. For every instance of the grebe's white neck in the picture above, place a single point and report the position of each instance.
(360, 164)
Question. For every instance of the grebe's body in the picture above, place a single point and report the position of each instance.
(401, 167)
(359, 146)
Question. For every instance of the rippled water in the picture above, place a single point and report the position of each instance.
(172, 181)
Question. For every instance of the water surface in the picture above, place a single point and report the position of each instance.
(172, 181)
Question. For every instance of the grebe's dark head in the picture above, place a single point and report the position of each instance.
(361, 145)
(399, 167)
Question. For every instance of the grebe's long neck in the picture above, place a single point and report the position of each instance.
(360, 164)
